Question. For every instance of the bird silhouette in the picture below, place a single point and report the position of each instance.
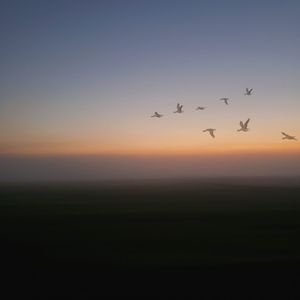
(156, 115)
(225, 100)
(211, 131)
(179, 109)
(200, 108)
(244, 126)
(248, 92)
(288, 137)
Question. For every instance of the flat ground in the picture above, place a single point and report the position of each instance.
(220, 230)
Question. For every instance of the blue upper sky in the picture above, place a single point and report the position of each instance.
(59, 43)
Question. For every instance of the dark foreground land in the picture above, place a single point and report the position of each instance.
(136, 237)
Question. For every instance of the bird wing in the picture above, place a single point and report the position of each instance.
(250, 90)
(285, 134)
(241, 124)
(212, 133)
(247, 90)
(178, 106)
(246, 123)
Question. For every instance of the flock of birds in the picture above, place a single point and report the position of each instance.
(243, 125)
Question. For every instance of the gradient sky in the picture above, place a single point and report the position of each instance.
(82, 78)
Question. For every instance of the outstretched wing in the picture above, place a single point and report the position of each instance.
(247, 90)
(286, 135)
(212, 133)
(250, 91)
(246, 123)
(156, 114)
(178, 106)
(241, 124)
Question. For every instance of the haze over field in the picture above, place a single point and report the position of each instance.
(81, 79)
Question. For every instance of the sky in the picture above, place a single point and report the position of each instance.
(79, 81)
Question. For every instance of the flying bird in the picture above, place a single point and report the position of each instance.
(244, 126)
(225, 100)
(156, 115)
(211, 131)
(288, 137)
(179, 109)
(248, 92)
(200, 108)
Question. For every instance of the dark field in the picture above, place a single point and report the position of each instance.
(117, 235)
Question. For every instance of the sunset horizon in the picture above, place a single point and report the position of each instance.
(150, 148)
(84, 79)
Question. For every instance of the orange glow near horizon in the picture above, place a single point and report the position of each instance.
(284, 148)
(143, 136)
